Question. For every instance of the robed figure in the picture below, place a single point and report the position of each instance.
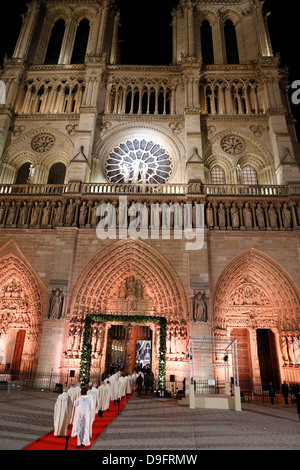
(82, 420)
(62, 414)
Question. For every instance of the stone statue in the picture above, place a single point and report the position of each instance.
(273, 217)
(70, 213)
(46, 215)
(94, 215)
(31, 173)
(247, 216)
(260, 217)
(286, 217)
(209, 216)
(23, 214)
(222, 216)
(11, 214)
(34, 218)
(235, 216)
(58, 212)
(56, 304)
(83, 213)
(200, 307)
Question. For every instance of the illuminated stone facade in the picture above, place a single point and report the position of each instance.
(79, 129)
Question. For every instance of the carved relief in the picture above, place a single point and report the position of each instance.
(20, 305)
(56, 304)
(254, 292)
(233, 145)
(43, 143)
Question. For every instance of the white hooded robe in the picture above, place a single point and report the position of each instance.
(62, 414)
(82, 420)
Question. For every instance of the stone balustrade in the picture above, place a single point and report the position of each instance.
(243, 208)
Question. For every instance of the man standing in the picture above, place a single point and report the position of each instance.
(82, 420)
(285, 391)
(62, 414)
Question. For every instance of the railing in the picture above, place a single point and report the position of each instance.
(250, 190)
(142, 189)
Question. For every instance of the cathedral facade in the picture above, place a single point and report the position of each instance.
(88, 145)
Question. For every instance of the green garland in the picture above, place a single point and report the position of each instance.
(87, 347)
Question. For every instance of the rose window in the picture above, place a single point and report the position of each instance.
(42, 143)
(233, 145)
(139, 161)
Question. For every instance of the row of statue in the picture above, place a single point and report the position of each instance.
(83, 214)
(252, 216)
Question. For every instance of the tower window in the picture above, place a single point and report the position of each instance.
(81, 42)
(232, 50)
(55, 43)
(207, 43)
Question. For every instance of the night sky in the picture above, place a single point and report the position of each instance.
(146, 35)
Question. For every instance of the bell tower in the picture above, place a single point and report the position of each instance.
(229, 69)
(62, 40)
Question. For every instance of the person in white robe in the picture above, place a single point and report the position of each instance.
(62, 414)
(74, 393)
(129, 385)
(134, 377)
(94, 397)
(104, 395)
(109, 393)
(122, 390)
(82, 420)
(115, 389)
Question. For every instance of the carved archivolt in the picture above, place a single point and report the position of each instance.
(20, 298)
(162, 289)
(255, 291)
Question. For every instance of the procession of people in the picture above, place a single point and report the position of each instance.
(78, 406)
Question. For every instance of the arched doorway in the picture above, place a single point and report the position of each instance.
(128, 283)
(256, 301)
(20, 317)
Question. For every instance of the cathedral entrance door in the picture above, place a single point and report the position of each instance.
(19, 346)
(268, 360)
(244, 358)
(142, 347)
(116, 348)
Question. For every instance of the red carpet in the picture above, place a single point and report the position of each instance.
(51, 442)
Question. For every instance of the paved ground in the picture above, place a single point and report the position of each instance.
(158, 424)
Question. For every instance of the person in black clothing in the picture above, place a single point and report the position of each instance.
(147, 382)
(285, 391)
(139, 383)
(272, 393)
(297, 396)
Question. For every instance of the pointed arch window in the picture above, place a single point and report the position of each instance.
(207, 43)
(55, 43)
(249, 175)
(231, 43)
(81, 42)
(218, 175)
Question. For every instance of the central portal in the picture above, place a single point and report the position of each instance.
(129, 348)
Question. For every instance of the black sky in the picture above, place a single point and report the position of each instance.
(146, 35)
